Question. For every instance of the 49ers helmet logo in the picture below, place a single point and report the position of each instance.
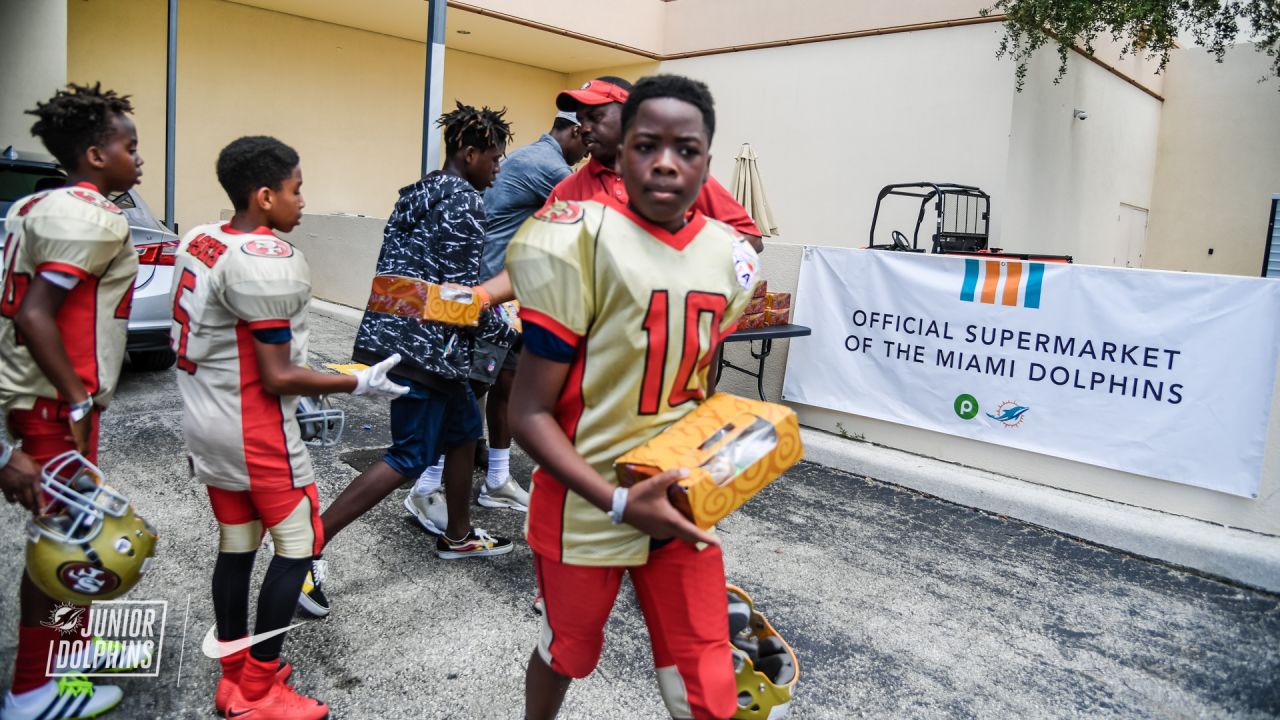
(267, 247)
(87, 578)
(561, 212)
(95, 200)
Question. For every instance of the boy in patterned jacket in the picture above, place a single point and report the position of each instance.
(240, 302)
(436, 233)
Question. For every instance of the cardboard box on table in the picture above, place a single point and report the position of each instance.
(411, 297)
(732, 447)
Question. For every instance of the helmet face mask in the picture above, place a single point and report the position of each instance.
(321, 424)
(765, 667)
(86, 543)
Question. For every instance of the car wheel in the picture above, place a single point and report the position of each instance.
(152, 360)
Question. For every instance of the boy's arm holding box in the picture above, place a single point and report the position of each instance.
(646, 507)
(549, 263)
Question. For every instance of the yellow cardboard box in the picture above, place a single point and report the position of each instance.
(732, 448)
(411, 297)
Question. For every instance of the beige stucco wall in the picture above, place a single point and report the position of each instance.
(693, 25)
(636, 24)
(861, 114)
(1066, 178)
(1219, 163)
(33, 53)
(348, 100)
(629, 72)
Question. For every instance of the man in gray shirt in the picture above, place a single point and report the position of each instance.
(527, 176)
(521, 189)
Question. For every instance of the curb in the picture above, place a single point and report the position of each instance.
(1241, 556)
(349, 315)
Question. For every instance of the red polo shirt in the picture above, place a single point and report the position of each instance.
(594, 178)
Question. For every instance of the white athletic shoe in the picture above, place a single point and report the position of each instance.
(506, 495)
(430, 510)
(66, 698)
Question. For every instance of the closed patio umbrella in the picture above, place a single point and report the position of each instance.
(748, 190)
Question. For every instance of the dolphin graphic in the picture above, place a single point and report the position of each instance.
(1009, 415)
(64, 618)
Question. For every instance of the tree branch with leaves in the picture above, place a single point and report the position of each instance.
(1146, 27)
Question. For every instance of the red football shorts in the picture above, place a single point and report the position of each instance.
(681, 593)
(292, 516)
(44, 431)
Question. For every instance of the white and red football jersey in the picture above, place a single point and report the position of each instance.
(226, 285)
(75, 231)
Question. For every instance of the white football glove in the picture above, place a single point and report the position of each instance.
(373, 382)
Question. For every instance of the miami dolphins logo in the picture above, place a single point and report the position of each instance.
(1009, 414)
(65, 618)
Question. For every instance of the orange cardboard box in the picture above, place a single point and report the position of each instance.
(777, 317)
(411, 297)
(751, 322)
(732, 447)
(777, 301)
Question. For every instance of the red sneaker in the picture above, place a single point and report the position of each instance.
(281, 702)
(222, 695)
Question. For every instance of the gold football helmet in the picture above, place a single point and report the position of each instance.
(765, 665)
(86, 544)
(320, 422)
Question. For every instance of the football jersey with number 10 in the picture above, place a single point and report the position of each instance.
(645, 309)
(226, 285)
(75, 231)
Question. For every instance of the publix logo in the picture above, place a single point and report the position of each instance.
(1009, 414)
(966, 406)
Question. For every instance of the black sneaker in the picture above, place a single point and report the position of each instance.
(312, 599)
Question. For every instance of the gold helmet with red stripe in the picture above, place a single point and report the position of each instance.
(765, 666)
(86, 543)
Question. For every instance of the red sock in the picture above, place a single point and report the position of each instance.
(257, 677)
(233, 664)
(34, 644)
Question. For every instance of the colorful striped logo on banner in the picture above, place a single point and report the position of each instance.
(1000, 282)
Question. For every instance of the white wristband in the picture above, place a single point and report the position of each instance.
(619, 505)
(6, 454)
(81, 409)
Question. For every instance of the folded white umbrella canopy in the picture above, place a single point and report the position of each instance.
(748, 190)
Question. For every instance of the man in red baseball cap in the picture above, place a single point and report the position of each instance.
(599, 107)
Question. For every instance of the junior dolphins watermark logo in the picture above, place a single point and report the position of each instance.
(123, 638)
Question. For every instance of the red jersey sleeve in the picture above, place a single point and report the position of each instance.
(716, 202)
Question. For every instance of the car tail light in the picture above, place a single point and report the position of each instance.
(162, 253)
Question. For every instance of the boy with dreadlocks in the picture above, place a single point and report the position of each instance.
(68, 282)
(435, 233)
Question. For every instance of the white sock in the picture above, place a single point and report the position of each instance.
(37, 697)
(499, 466)
(430, 479)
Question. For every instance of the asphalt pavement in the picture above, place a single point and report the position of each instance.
(898, 604)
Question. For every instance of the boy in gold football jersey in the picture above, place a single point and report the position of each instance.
(623, 306)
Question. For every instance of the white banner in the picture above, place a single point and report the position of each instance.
(1163, 374)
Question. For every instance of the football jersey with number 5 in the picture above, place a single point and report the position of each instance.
(227, 285)
(75, 231)
(645, 309)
